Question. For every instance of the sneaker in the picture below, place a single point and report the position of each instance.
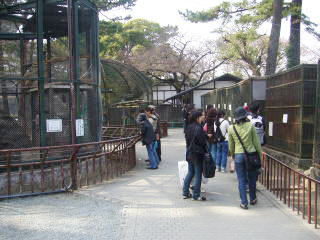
(244, 206)
(187, 196)
(254, 202)
(224, 170)
(199, 199)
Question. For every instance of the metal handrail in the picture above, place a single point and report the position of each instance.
(34, 163)
(299, 191)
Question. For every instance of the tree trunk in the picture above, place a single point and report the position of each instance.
(273, 45)
(293, 52)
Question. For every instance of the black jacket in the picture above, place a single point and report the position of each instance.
(198, 146)
(148, 135)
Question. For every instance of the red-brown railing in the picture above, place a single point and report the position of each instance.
(43, 170)
(298, 191)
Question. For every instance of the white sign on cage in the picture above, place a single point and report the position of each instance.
(270, 129)
(285, 118)
(54, 125)
(79, 127)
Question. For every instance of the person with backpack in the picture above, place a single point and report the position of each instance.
(221, 126)
(243, 140)
(258, 122)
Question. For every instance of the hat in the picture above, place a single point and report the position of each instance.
(240, 113)
(152, 106)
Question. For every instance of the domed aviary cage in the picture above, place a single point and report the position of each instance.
(49, 73)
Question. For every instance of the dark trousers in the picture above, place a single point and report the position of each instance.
(158, 150)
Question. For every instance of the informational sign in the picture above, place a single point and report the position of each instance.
(54, 125)
(245, 104)
(219, 105)
(224, 106)
(285, 118)
(270, 129)
(230, 119)
(79, 127)
(230, 107)
(214, 105)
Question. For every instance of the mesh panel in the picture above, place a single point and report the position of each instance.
(289, 93)
(228, 99)
(58, 104)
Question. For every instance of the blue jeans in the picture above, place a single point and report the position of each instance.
(153, 156)
(222, 154)
(245, 178)
(194, 170)
(213, 151)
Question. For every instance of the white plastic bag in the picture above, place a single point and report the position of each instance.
(231, 164)
(183, 171)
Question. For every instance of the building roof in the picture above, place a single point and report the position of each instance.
(224, 77)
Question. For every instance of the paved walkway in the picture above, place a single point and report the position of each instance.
(147, 205)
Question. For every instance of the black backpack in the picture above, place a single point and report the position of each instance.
(218, 134)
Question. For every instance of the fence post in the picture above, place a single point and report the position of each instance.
(74, 185)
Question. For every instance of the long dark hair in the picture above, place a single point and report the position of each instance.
(194, 115)
(211, 116)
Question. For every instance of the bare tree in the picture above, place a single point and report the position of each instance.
(178, 64)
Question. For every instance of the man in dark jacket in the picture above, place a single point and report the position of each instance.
(149, 139)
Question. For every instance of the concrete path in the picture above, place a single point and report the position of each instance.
(147, 205)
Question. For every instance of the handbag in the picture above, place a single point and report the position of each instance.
(253, 161)
(209, 166)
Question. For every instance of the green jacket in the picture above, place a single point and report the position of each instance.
(249, 137)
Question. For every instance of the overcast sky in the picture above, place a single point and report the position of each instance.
(166, 12)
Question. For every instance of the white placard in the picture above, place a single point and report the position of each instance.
(230, 107)
(285, 118)
(54, 125)
(234, 120)
(219, 105)
(214, 105)
(224, 106)
(79, 128)
(270, 129)
(245, 104)
(230, 119)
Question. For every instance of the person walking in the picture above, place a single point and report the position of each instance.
(148, 139)
(247, 134)
(196, 148)
(221, 126)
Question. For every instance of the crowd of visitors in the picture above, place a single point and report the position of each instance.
(209, 131)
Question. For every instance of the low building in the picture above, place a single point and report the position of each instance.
(193, 95)
(162, 91)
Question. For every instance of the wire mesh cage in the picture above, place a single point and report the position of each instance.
(290, 110)
(239, 94)
(49, 73)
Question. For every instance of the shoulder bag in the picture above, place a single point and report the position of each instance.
(253, 161)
